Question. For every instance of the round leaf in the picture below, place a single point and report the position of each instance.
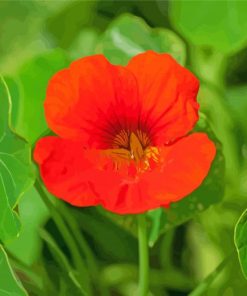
(16, 174)
(32, 83)
(219, 24)
(129, 35)
(33, 214)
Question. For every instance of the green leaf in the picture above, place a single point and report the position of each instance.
(22, 31)
(116, 274)
(9, 284)
(33, 214)
(65, 25)
(32, 82)
(129, 35)
(219, 24)
(207, 282)
(157, 219)
(85, 44)
(61, 259)
(102, 232)
(210, 192)
(240, 239)
(16, 172)
(236, 97)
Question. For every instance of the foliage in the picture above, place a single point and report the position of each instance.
(16, 169)
(8, 281)
(241, 241)
(229, 35)
(50, 248)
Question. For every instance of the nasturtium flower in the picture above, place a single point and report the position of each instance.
(124, 136)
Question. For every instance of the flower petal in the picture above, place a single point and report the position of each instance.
(63, 167)
(78, 176)
(92, 100)
(184, 166)
(88, 177)
(168, 95)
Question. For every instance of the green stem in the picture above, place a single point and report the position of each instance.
(91, 260)
(72, 224)
(205, 284)
(61, 258)
(143, 256)
(68, 238)
(21, 267)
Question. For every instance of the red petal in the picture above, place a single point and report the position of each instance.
(168, 95)
(92, 101)
(63, 168)
(87, 177)
(184, 166)
(81, 177)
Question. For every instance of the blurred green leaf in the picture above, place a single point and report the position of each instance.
(64, 235)
(32, 81)
(33, 214)
(85, 44)
(235, 68)
(16, 172)
(9, 284)
(154, 12)
(205, 284)
(129, 35)
(210, 192)
(240, 238)
(219, 24)
(115, 274)
(62, 261)
(237, 100)
(66, 24)
(127, 222)
(110, 241)
(22, 31)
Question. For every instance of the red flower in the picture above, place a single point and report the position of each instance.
(122, 134)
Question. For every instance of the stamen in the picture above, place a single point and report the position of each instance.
(130, 146)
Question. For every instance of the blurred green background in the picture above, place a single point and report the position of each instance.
(55, 249)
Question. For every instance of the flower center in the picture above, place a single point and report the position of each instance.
(133, 147)
(124, 139)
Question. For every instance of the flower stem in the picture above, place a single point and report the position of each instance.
(91, 260)
(143, 256)
(68, 238)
